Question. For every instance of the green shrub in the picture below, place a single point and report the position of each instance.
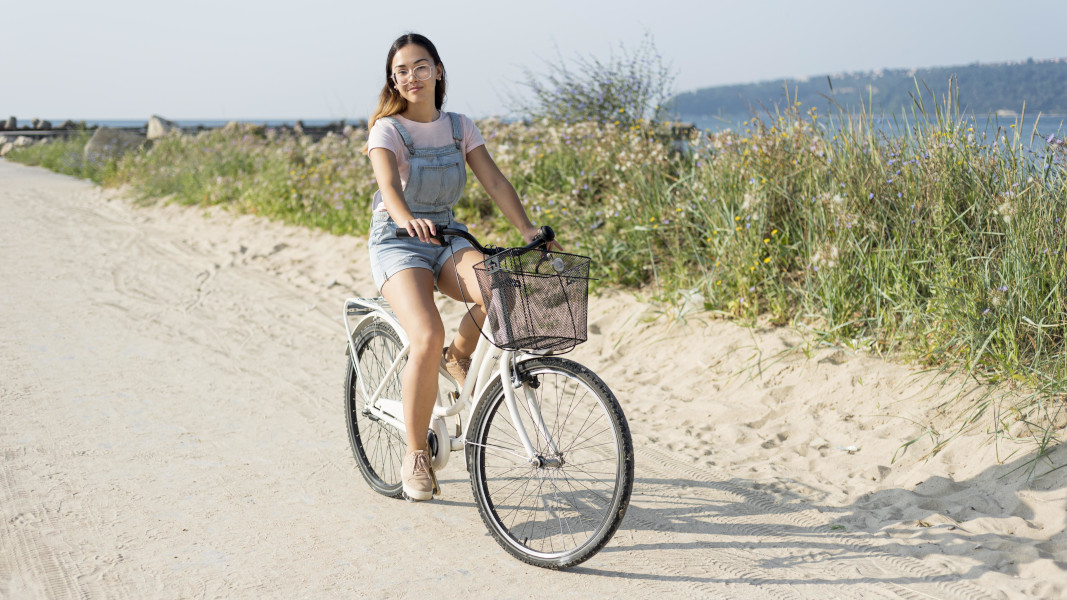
(628, 87)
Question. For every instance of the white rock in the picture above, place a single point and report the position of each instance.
(111, 143)
(159, 127)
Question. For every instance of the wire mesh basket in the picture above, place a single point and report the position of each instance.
(535, 299)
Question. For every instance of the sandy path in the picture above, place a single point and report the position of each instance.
(170, 426)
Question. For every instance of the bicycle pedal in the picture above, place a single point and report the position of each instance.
(436, 487)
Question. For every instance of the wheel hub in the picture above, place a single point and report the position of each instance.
(548, 462)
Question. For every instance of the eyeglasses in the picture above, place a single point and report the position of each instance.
(420, 73)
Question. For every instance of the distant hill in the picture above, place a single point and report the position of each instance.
(983, 89)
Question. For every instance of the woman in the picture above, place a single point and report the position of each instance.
(419, 154)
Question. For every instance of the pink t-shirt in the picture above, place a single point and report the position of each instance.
(423, 135)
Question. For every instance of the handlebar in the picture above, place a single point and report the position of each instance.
(545, 235)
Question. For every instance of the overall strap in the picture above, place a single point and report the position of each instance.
(457, 130)
(404, 135)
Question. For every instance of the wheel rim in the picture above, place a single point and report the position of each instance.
(380, 445)
(553, 511)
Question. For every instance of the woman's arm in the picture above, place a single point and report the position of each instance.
(501, 191)
(383, 161)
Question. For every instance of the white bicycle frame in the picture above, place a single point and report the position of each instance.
(483, 372)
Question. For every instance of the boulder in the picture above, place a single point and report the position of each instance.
(108, 143)
(68, 124)
(255, 129)
(12, 124)
(42, 125)
(159, 127)
(7, 145)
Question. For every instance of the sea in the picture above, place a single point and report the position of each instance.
(1035, 126)
(1041, 126)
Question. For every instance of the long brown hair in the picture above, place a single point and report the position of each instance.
(390, 102)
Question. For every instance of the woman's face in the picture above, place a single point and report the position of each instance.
(410, 63)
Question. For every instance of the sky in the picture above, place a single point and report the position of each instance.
(325, 59)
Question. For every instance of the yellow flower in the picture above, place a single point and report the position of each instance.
(766, 240)
(737, 218)
(767, 260)
(774, 232)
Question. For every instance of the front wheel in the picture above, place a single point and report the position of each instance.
(562, 507)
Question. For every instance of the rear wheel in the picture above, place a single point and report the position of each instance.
(562, 508)
(377, 446)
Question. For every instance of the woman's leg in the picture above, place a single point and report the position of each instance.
(464, 289)
(410, 295)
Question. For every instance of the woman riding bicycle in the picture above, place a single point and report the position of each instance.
(419, 155)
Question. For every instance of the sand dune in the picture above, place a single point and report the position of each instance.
(171, 426)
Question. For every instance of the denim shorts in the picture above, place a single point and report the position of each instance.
(389, 254)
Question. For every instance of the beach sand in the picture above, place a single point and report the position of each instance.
(171, 426)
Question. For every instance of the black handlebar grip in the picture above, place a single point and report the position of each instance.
(403, 233)
(546, 234)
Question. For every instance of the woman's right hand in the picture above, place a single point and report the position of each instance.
(424, 229)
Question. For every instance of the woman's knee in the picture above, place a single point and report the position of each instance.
(427, 338)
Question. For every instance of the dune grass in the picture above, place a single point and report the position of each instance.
(932, 240)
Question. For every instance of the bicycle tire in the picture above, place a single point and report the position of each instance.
(377, 446)
(552, 516)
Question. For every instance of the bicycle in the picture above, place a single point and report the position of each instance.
(546, 444)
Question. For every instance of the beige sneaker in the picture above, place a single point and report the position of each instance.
(456, 367)
(417, 475)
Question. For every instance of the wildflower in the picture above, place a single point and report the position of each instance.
(766, 240)
(870, 196)
(767, 260)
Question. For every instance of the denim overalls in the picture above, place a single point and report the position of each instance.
(435, 184)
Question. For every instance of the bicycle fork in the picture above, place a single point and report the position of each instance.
(510, 381)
